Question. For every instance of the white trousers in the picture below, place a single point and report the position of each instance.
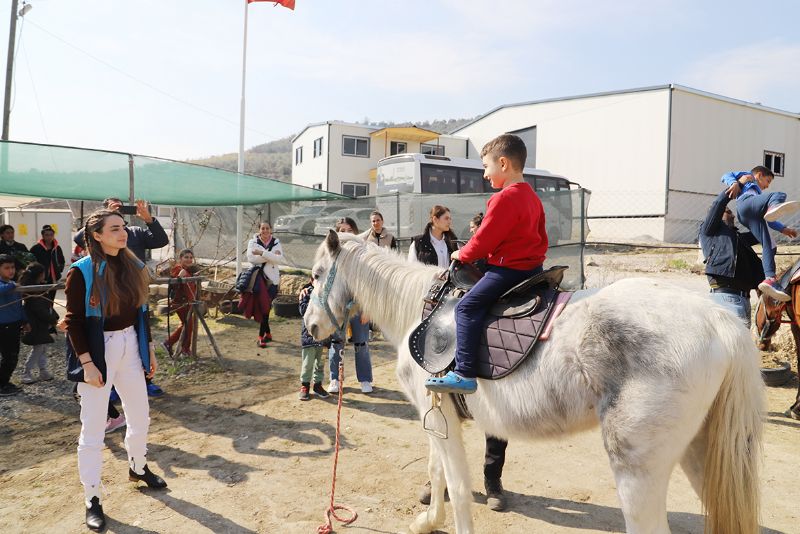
(125, 373)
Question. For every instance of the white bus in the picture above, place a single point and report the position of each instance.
(462, 178)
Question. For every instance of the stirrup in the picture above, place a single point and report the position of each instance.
(428, 420)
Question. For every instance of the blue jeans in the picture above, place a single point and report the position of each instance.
(738, 304)
(363, 361)
(750, 211)
(471, 312)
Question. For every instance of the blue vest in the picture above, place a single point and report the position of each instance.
(95, 321)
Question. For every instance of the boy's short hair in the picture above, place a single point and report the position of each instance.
(509, 146)
(763, 170)
(7, 258)
(5, 227)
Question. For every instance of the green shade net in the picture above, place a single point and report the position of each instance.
(49, 171)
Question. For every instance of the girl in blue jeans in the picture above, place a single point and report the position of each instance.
(363, 362)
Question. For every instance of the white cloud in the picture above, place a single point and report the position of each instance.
(762, 72)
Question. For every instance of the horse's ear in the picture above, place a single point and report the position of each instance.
(332, 242)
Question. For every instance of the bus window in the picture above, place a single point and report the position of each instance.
(439, 180)
(471, 181)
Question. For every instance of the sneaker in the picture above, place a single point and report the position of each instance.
(771, 288)
(780, 211)
(319, 391)
(113, 424)
(366, 387)
(495, 498)
(28, 378)
(9, 389)
(452, 382)
(333, 387)
(45, 375)
(262, 342)
(303, 396)
(267, 337)
(153, 390)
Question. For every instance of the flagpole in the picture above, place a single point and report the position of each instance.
(240, 166)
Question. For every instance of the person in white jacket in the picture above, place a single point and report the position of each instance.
(265, 250)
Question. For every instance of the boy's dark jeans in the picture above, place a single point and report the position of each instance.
(471, 312)
(9, 350)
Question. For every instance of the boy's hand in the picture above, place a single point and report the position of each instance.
(790, 232)
(454, 255)
(733, 190)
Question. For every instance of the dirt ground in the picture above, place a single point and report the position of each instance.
(242, 455)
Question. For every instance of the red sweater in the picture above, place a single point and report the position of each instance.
(513, 231)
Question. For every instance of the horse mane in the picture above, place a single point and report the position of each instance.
(373, 274)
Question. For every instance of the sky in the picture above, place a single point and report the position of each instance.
(163, 77)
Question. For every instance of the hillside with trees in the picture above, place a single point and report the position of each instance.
(274, 159)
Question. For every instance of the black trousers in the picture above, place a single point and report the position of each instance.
(9, 350)
(495, 457)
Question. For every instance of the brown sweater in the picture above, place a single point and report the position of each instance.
(76, 309)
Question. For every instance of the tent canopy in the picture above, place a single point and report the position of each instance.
(50, 171)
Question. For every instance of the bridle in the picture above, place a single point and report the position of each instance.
(764, 333)
(323, 302)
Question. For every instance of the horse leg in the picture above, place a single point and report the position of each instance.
(453, 458)
(794, 409)
(693, 462)
(432, 518)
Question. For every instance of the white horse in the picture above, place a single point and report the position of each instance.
(669, 376)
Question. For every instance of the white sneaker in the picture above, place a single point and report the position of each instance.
(781, 211)
(28, 378)
(333, 387)
(366, 387)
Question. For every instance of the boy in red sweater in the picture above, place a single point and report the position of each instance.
(513, 240)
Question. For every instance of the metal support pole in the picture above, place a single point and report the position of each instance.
(12, 36)
(131, 197)
(583, 236)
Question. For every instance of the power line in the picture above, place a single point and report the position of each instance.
(150, 86)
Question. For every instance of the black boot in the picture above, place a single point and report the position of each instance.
(495, 498)
(152, 480)
(95, 519)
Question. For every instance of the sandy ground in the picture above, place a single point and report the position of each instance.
(241, 454)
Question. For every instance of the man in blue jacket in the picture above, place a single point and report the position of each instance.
(732, 267)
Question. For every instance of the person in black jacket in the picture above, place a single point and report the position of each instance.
(436, 242)
(41, 318)
(732, 267)
(14, 248)
(311, 366)
(49, 254)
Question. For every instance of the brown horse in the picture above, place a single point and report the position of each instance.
(770, 316)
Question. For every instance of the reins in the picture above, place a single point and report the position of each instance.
(341, 333)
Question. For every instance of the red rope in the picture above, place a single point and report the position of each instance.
(327, 527)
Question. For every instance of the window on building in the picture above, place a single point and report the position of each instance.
(355, 146)
(774, 161)
(397, 147)
(317, 147)
(355, 190)
(431, 150)
(442, 180)
(298, 155)
(316, 186)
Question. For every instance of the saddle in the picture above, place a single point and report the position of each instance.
(511, 329)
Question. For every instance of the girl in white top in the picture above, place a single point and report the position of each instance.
(265, 250)
(437, 241)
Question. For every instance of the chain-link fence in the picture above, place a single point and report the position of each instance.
(211, 232)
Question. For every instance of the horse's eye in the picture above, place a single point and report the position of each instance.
(316, 276)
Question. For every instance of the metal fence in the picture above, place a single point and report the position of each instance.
(211, 232)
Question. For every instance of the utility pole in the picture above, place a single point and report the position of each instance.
(12, 35)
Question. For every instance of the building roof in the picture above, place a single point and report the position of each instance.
(637, 90)
(406, 133)
(340, 123)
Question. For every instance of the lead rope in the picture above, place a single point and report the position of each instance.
(330, 512)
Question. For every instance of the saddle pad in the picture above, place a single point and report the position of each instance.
(504, 344)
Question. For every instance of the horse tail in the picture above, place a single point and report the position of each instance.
(730, 492)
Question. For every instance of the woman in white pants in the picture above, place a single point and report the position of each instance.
(108, 331)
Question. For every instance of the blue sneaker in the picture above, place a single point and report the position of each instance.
(114, 397)
(153, 390)
(452, 382)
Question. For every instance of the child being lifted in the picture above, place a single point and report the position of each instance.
(759, 212)
(512, 238)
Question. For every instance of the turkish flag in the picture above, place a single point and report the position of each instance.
(284, 3)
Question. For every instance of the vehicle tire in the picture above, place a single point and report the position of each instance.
(230, 306)
(777, 376)
(286, 306)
